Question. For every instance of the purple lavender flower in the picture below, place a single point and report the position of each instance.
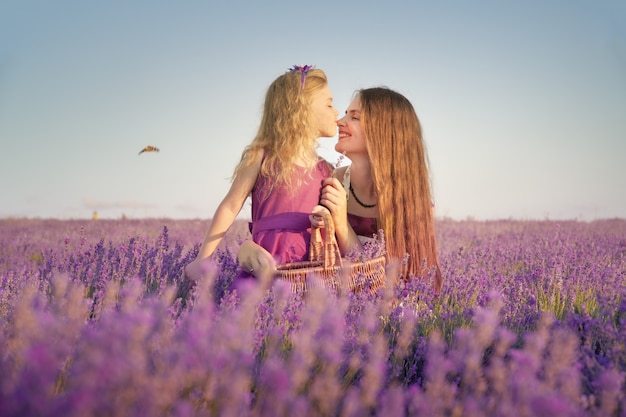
(97, 318)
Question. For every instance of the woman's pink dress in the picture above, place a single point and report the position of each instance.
(363, 226)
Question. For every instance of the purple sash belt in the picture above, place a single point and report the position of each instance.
(297, 222)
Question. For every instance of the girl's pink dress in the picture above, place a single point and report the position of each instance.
(280, 221)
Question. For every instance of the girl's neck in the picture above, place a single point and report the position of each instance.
(306, 160)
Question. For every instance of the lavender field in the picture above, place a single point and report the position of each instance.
(96, 320)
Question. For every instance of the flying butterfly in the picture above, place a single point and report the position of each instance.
(149, 149)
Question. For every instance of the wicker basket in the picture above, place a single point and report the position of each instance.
(326, 264)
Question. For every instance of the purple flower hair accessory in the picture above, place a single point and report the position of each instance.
(303, 69)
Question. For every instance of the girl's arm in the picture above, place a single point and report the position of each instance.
(230, 207)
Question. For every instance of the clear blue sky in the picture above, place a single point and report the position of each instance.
(523, 104)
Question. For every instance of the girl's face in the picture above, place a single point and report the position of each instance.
(351, 138)
(324, 112)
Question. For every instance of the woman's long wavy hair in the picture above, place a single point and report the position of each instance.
(399, 163)
(287, 130)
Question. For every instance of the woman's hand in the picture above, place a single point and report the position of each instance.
(256, 260)
(334, 198)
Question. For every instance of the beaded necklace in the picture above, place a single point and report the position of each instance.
(359, 201)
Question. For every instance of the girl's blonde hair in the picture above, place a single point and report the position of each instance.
(287, 130)
(399, 164)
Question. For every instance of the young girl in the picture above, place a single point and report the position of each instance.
(281, 169)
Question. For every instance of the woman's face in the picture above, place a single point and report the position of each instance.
(351, 138)
(324, 112)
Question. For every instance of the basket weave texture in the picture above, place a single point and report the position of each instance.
(326, 264)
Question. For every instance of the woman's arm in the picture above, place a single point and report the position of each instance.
(333, 197)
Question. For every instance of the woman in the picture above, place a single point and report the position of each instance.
(386, 187)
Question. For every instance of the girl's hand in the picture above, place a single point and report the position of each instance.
(256, 260)
(317, 216)
(197, 269)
